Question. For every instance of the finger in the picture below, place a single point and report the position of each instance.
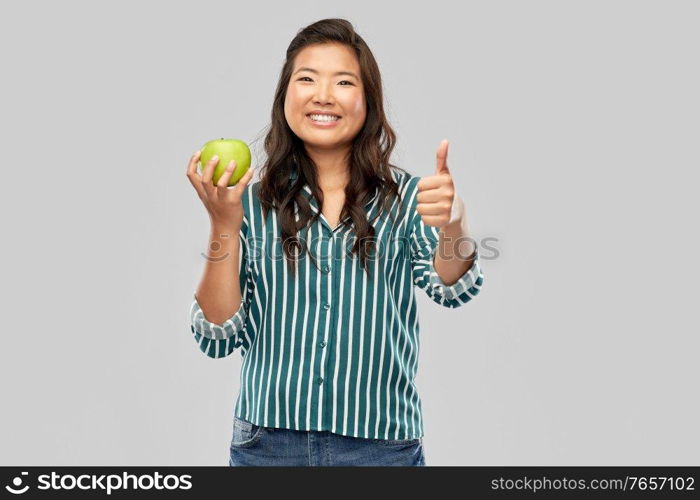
(430, 182)
(433, 208)
(430, 196)
(442, 158)
(193, 176)
(208, 175)
(192, 166)
(434, 220)
(223, 180)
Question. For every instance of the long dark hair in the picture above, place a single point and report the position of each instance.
(369, 159)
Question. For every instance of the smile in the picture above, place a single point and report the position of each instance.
(323, 122)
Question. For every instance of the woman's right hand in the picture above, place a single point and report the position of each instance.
(223, 203)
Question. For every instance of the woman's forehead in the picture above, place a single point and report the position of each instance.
(327, 58)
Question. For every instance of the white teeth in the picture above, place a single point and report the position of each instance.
(324, 118)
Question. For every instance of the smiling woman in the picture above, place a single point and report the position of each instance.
(330, 343)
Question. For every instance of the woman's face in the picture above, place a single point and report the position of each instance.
(315, 85)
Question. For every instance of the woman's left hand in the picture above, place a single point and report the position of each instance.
(438, 202)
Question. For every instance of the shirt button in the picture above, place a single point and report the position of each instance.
(320, 380)
(322, 343)
(325, 269)
(326, 306)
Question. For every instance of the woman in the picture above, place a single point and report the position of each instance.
(326, 322)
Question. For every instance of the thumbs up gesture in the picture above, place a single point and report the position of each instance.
(438, 202)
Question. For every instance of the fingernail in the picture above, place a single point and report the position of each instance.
(214, 158)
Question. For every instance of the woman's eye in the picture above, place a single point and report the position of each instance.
(346, 81)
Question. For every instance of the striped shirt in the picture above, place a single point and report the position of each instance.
(329, 349)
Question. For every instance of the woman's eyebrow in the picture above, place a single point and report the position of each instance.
(348, 73)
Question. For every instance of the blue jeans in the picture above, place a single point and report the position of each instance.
(255, 445)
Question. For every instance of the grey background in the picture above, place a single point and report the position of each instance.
(573, 131)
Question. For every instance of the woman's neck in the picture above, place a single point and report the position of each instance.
(333, 170)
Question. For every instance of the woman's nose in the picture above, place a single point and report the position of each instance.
(324, 94)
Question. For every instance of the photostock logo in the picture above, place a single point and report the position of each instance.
(104, 482)
(17, 482)
(215, 246)
(399, 247)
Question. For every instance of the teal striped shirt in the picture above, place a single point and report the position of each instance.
(328, 349)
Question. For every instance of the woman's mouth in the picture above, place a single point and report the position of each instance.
(323, 121)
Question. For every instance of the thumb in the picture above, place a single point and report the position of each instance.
(442, 158)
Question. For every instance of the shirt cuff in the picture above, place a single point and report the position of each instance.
(204, 327)
(464, 283)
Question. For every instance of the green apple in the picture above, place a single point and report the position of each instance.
(226, 150)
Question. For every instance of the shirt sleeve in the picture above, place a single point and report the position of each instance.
(218, 341)
(424, 240)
